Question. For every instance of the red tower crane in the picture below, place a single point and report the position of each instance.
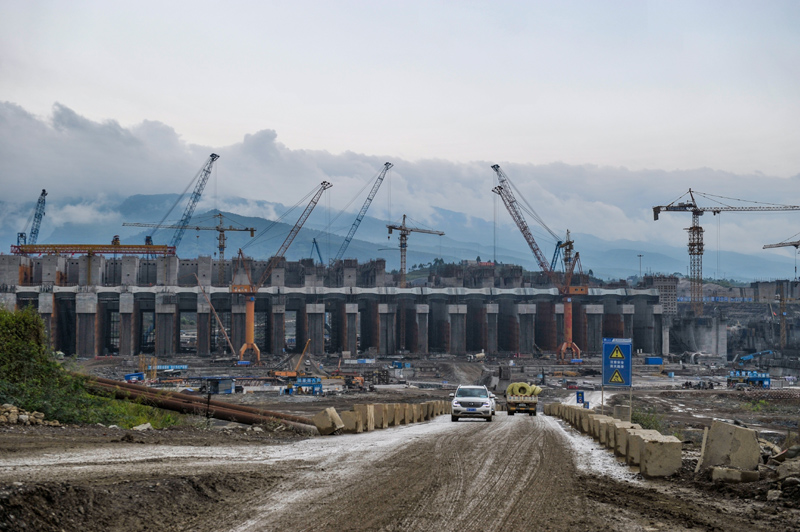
(252, 288)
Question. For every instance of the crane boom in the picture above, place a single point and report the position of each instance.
(38, 214)
(205, 172)
(273, 262)
(696, 246)
(363, 211)
(37, 218)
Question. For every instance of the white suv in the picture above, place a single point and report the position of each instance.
(472, 401)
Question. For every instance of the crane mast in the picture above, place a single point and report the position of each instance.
(205, 172)
(251, 289)
(37, 222)
(404, 231)
(696, 245)
(362, 212)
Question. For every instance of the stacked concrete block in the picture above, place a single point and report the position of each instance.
(661, 457)
(328, 422)
(620, 439)
(368, 415)
(381, 416)
(407, 413)
(731, 446)
(656, 454)
(353, 424)
(636, 443)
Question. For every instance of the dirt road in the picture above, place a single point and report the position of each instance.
(516, 473)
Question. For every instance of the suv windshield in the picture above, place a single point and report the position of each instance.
(472, 392)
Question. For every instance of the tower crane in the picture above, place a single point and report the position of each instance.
(219, 228)
(38, 214)
(180, 228)
(362, 212)
(404, 231)
(252, 288)
(696, 246)
(504, 190)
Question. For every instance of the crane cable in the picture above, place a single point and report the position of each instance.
(280, 218)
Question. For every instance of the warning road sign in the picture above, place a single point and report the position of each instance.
(617, 361)
(617, 353)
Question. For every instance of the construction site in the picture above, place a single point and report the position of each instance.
(267, 358)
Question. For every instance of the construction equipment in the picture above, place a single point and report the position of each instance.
(252, 288)
(696, 247)
(294, 373)
(315, 246)
(219, 228)
(38, 214)
(404, 232)
(93, 249)
(200, 180)
(362, 212)
(504, 190)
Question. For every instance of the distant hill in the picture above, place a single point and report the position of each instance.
(465, 237)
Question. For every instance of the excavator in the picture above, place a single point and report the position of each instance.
(294, 373)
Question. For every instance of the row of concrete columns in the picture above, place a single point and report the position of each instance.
(385, 328)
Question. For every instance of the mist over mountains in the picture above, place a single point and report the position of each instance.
(466, 238)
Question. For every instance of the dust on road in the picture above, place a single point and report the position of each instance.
(516, 473)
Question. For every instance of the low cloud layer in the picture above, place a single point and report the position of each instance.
(86, 166)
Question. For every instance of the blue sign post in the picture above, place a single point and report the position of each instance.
(617, 361)
(579, 397)
(617, 365)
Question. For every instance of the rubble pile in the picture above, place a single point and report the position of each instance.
(11, 415)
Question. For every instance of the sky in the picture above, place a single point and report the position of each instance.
(596, 110)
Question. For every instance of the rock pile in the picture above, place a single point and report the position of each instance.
(11, 415)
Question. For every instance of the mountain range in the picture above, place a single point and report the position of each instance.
(466, 238)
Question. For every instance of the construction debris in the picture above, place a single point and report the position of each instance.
(11, 415)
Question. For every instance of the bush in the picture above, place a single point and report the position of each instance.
(648, 419)
(32, 379)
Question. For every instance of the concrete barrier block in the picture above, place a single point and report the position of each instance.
(636, 440)
(603, 426)
(733, 476)
(368, 415)
(730, 446)
(621, 438)
(381, 416)
(328, 421)
(594, 426)
(390, 414)
(353, 424)
(420, 413)
(615, 433)
(661, 457)
(427, 411)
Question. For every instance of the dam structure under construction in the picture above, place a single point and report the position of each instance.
(93, 305)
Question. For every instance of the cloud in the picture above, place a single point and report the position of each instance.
(87, 165)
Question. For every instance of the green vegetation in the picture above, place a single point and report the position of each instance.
(756, 405)
(648, 419)
(32, 379)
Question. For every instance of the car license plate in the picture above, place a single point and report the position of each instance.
(472, 409)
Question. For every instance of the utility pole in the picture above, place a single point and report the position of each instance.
(640, 265)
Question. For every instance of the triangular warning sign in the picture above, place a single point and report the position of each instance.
(617, 353)
(616, 378)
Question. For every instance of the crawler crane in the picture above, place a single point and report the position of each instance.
(251, 289)
(565, 287)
